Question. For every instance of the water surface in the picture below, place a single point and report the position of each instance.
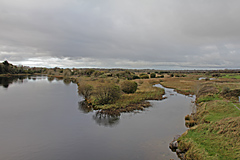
(42, 118)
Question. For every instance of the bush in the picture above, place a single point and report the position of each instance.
(135, 77)
(85, 90)
(89, 72)
(144, 76)
(107, 93)
(153, 75)
(129, 87)
(161, 76)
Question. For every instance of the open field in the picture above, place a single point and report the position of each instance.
(216, 133)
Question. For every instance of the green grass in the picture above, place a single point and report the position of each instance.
(217, 133)
(208, 98)
(220, 109)
(210, 144)
(236, 76)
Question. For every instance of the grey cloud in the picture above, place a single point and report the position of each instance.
(121, 33)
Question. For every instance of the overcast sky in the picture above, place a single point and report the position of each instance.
(158, 34)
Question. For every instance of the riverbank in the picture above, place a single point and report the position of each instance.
(215, 129)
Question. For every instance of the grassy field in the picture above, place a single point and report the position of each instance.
(217, 133)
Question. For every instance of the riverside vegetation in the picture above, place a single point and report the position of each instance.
(214, 128)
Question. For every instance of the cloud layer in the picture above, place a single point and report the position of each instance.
(157, 34)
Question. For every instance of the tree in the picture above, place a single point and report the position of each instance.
(6, 63)
(129, 86)
(107, 93)
(85, 90)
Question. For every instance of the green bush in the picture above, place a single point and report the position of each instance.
(135, 77)
(85, 90)
(161, 76)
(107, 93)
(153, 75)
(129, 86)
(144, 76)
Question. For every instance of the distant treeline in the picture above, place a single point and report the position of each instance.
(8, 68)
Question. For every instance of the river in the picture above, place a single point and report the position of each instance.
(42, 119)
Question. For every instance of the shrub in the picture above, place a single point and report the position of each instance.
(144, 76)
(129, 87)
(153, 75)
(98, 73)
(107, 93)
(124, 74)
(85, 90)
(66, 73)
(161, 76)
(89, 72)
(135, 77)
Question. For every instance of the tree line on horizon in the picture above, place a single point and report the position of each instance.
(8, 68)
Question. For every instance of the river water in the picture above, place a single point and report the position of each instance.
(42, 119)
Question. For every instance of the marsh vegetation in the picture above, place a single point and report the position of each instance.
(215, 126)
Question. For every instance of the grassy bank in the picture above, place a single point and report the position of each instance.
(216, 134)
